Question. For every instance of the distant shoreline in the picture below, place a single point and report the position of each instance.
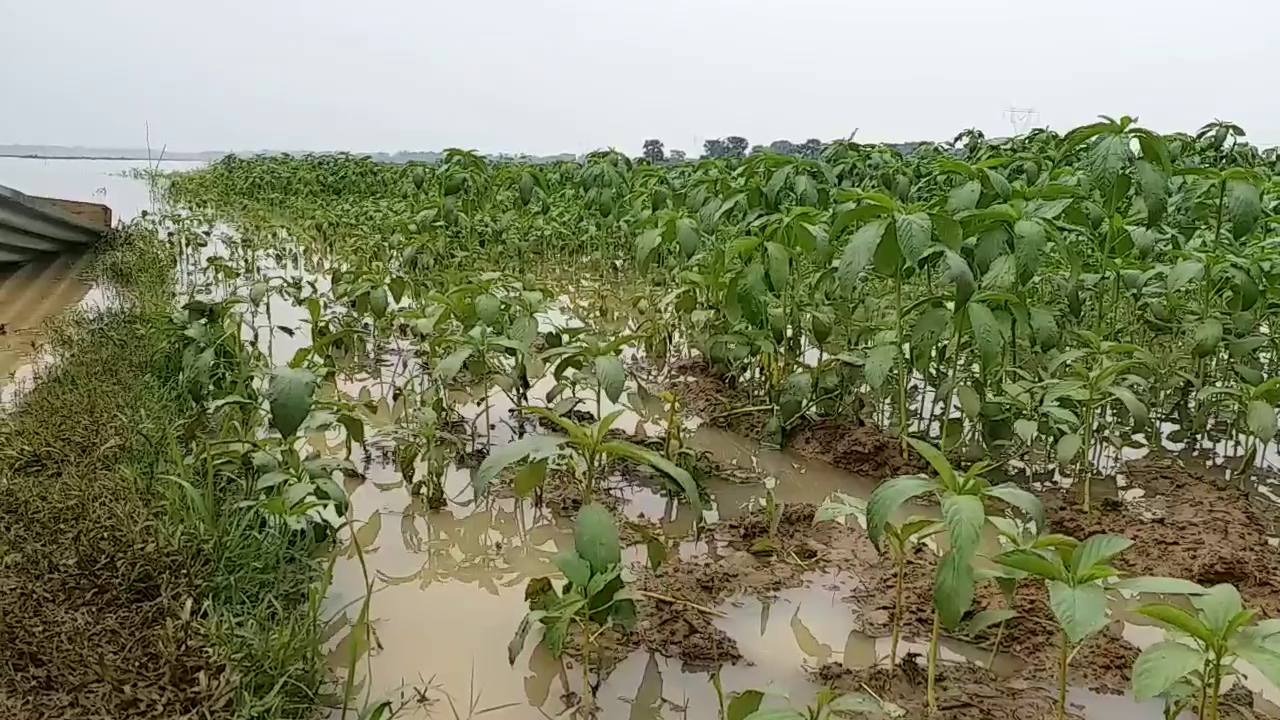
(96, 157)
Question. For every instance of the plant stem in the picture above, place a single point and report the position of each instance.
(1204, 689)
(1063, 657)
(933, 664)
(902, 365)
(995, 649)
(897, 613)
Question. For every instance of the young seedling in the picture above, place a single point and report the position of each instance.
(902, 539)
(1204, 650)
(963, 517)
(1078, 576)
(593, 597)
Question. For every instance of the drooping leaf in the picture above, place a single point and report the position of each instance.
(879, 363)
(929, 329)
(859, 253)
(914, 233)
(488, 307)
(530, 478)
(535, 446)
(964, 517)
(1161, 665)
(1177, 618)
(1044, 327)
(953, 587)
(888, 497)
(1154, 186)
(1207, 336)
(1263, 657)
(1261, 420)
(1182, 273)
(290, 393)
(1068, 447)
(936, 460)
(1031, 562)
(576, 569)
(1025, 429)
(595, 538)
(611, 376)
(986, 334)
(743, 704)
(970, 401)
(449, 367)
(644, 456)
(964, 197)
(961, 275)
(527, 623)
(1137, 410)
(998, 183)
(1029, 240)
(1217, 606)
(1242, 203)
(687, 236)
(1029, 504)
(779, 265)
(1159, 585)
(1081, 611)
(986, 618)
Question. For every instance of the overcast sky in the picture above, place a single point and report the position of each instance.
(547, 76)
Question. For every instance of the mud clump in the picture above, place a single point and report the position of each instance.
(1197, 530)
(964, 692)
(850, 445)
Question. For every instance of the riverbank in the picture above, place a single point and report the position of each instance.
(129, 586)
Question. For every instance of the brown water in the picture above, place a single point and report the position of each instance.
(30, 295)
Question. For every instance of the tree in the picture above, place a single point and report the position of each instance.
(714, 149)
(782, 147)
(737, 146)
(653, 151)
(811, 149)
(676, 156)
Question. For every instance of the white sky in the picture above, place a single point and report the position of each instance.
(548, 76)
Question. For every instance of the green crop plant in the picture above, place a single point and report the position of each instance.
(586, 448)
(1201, 656)
(1078, 576)
(962, 500)
(593, 597)
(902, 539)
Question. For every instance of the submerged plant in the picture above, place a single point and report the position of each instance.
(593, 597)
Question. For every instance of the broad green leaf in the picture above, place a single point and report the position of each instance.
(687, 236)
(1031, 562)
(1002, 275)
(1029, 504)
(644, 456)
(1154, 186)
(779, 265)
(953, 587)
(1208, 335)
(998, 183)
(839, 506)
(964, 517)
(1026, 429)
(1264, 658)
(1159, 585)
(795, 393)
(947, 231)
(1137, 410)
(611, 376)
(915, 233)
(936, 460)
(961, 275)
(446, 369)
(257, 292)
(576, 569)
(645, 245)
(1242, 204)
(1095, 550)
(986, 334)
(1177, 618)
(290, 393)
(1261, 420)
(1161, 665)
(888, 497)
(858, 253)
(879, 363)
(595, 538)
(530, 478)
(743, 704)
(1029, 240)
(1044, 326)
(929, 329)
(378, 301)
(1080, 611)
(970, 402)
(536, 446)
(488, 308)
(1068, 447)
(964, 197)
(986, 618)
(1182, 273)
(1217, 606)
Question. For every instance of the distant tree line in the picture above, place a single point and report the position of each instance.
(734, 147)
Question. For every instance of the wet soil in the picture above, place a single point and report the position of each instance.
(851, 445)
(964, 692)
(1190, 527)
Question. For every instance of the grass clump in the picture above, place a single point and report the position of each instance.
(117, 598)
